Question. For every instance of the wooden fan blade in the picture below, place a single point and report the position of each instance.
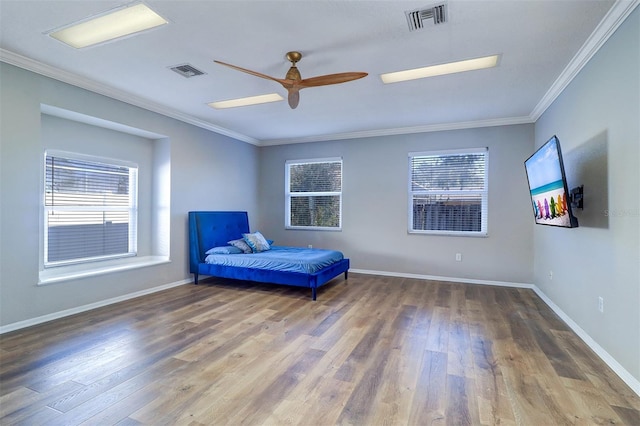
(325, 80)
(257, 74)
(294, 98)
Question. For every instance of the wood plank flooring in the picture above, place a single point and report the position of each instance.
(370, 351)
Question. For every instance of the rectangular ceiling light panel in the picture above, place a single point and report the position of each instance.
(251, 100)
(119, 23)
(442, 69)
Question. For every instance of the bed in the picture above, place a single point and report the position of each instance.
(301, 267)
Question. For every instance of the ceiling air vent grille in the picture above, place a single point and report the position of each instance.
(436, 14)
(187, 70)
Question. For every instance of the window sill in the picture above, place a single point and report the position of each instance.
(74, 272)
(313, 228)
(451, 233)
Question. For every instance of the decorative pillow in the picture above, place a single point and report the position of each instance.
(256, 241)
(224, 250)
(241, 244)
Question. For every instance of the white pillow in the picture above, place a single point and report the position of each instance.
(256, 241)
(241, 244)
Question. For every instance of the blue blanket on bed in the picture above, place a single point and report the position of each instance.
(279, 258)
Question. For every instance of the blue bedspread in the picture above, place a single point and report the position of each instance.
(279, 258)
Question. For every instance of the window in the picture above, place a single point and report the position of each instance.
(90, 209)
(448, 192)
(314, 193)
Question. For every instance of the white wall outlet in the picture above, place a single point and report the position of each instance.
(600, 304)
(458, 257)
(310, 246)
(550, 275)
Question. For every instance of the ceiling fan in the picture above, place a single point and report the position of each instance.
(293, 82)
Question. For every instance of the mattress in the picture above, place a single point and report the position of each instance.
(280, 258)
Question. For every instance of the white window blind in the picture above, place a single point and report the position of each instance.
(90, 209)
(314, 193)
(448, 192)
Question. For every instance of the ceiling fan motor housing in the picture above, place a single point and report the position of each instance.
(293, 57)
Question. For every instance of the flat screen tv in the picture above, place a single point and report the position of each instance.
(548, 186)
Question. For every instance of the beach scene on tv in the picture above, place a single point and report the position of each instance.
(550, 204)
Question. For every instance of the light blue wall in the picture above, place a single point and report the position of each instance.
(375, 205)
(597, 119)
(208, 172)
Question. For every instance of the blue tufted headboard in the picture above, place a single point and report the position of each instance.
(213, 229)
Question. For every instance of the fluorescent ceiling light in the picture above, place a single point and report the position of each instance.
(251, 100)
(116, 24)
(442, 69)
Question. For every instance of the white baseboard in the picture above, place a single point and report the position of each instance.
(627, 377)
(439, 278)
(67, 312)
(631, 381)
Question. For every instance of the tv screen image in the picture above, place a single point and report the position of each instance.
(548, 186)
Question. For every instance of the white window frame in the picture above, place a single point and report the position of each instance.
(132, 209)
(484, 193)
(289, 195)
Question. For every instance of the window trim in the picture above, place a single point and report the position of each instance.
(132, 209)
(484, 232)
(288, 194)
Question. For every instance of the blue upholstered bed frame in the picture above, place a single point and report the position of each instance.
(214, 229)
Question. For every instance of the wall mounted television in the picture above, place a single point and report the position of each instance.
(548, 186)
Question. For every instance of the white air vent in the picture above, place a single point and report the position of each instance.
(427, 15)
(187, 70)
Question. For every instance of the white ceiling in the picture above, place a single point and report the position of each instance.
(542, 43)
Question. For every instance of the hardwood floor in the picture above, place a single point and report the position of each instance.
(370, 351)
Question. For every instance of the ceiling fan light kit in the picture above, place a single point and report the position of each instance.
(294, 82)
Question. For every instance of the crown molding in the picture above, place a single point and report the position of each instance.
(88, 84)
(403, 130)
(609, 24)
(611, 21)
(93, 86)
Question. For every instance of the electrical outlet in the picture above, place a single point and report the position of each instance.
(310, 246)
(601, 304)
(550, 275)
(458, 257)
